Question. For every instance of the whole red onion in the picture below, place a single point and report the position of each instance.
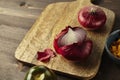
(91, 17)
(71, 43)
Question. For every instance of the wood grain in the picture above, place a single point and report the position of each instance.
(52, 20)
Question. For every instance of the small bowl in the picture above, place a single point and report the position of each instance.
(115, 35)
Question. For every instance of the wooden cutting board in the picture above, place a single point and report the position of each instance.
(52, 20)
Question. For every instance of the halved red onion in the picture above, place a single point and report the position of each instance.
(71, 43)
(46, 55)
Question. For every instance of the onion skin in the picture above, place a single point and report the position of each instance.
(46, 55)
(79, 51)
(91, 17)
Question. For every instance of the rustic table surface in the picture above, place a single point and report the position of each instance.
(17, 17)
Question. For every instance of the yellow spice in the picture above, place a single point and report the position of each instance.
(115, 48)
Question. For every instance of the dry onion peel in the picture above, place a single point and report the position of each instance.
(46, 55)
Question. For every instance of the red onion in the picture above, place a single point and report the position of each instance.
(46, 55)
(91, 17)
(71, 43)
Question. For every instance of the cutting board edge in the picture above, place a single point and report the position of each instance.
(63, 73)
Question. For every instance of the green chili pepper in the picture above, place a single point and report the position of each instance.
(40, 73)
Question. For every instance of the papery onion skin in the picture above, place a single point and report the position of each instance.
(74, 52)
(46, 55)
(92, 17)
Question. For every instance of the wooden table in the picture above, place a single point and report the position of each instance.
(17, 17)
